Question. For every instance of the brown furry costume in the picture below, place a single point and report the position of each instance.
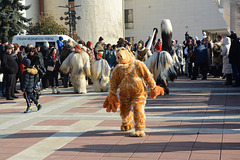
(130, 75)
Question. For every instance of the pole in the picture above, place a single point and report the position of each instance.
(70, 19)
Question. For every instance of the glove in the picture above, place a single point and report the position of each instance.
(156, 91)
(111, 103)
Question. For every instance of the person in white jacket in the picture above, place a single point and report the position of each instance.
(227, 67)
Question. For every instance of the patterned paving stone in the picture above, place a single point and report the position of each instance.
(83, 110)
(197, 120)
(56, 123)
(17, 142)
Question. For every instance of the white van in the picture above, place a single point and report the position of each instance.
(24, 40)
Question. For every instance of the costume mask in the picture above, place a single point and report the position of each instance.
(123, 56)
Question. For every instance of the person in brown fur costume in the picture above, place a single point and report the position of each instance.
(130, 75)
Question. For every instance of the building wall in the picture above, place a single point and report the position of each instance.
(34, 11)
(51, 8)
(186, 15)
(100, 18)
(235, 16)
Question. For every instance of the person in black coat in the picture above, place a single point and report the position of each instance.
(10, 69)
(45, 52)
(28, 84)
(234, 58)
(2, 51)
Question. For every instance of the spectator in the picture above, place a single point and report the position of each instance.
(227, 67)
(111, 56)
(10, 69)
(234, 58)
(90, 47)
(99, 46)
(60, 44)
(66, 50)
(188, 51)
(17, 55)
(217, 57)
(181, 59)
(53, 65)
(45, 52)
(2, 78)
(200, 54)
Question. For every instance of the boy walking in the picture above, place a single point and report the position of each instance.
(28, 84)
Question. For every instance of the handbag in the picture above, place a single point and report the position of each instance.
(50, 68)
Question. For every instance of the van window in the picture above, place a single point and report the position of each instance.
(41, 44)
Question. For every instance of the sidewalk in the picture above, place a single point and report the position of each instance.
(198, 120)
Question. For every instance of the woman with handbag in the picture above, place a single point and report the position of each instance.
(53, 64)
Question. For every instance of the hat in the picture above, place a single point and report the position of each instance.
(60, 38)
(8, 47)
(78, 47)
(4, 40)
(46, 44)
(233, 36)
(100, 54)
(26, 62)
(158, 47)
(100, 39)
(89, 43)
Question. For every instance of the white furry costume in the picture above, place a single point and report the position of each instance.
(163, 65)
(159, 65)
(100, 71)
(80, 67)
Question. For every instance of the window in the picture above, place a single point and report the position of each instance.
(129, 19)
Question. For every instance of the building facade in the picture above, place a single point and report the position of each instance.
(135, 19)
(98, 17)
(194, 16)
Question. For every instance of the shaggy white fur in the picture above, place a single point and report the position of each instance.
(100, 71)
(79, 66)
(159, 64)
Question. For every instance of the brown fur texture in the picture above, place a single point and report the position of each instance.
(111, 103)
(156, 91)
(130, 75)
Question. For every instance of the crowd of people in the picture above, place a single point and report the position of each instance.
(37, 68)
(219, 58)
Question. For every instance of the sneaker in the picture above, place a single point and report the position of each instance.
(9, 98)
(39, 106)
(53, 90)
(14, 96)
(16, 91)
(58, 91)
(28, 111)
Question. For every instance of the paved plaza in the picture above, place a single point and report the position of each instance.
(198, 120)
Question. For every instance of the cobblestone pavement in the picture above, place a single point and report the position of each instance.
(198, 120)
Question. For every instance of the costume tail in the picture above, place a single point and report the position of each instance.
(166, 28)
